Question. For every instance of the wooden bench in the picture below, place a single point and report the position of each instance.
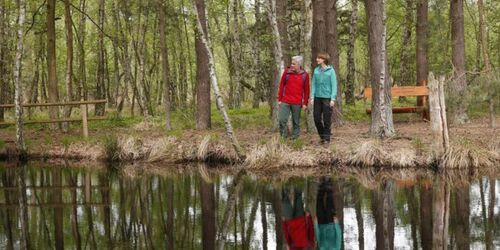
(418, 91)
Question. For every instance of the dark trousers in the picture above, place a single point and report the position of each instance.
(323, 118)
(324, 202)
(290, 210)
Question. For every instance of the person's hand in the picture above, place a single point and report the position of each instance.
(311, 101)
(304, 107)
(332, 104)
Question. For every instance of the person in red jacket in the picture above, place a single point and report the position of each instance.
(297, 225)
(293, 95)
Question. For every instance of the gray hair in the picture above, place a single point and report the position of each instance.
(298, 59)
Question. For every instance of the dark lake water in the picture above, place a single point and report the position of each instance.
(75, 208)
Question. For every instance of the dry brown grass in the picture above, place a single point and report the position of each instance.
(403, 158)
(275, 155)
(370, 153)
(466, 155)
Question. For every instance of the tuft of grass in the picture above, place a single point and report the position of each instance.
(418, 146)
(297, 144)
(465, 155)
(112, 148)
(369, 154)
(402, 158)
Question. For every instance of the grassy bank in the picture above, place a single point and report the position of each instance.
(128, 139)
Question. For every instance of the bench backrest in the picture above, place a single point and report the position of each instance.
(403, 91)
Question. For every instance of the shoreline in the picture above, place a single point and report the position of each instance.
(473, 146)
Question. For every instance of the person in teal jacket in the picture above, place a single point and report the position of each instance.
(326, 225)
(323, 96)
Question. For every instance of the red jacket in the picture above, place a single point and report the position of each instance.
(294, 87)
(299, 232)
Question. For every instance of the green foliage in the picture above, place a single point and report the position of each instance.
(2, 144)
(418, 145)
(297, 144)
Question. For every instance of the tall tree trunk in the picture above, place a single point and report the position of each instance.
(81, 56)
(381, 123)
(51, 61)
(141, 61)
(208, 214)
(164, 64)
(282, 21)
(237, 57)
(351, 45)
(491, 228)
(458, 88)
(332, 49)
(319, 38)
(404, 59)
(68, 23)
(203, 103)
(279, 63)
(421, 44)
(3, 80)
(205, 42)
(486, 58)
(257, 94)
(100, 88)
(20, 145)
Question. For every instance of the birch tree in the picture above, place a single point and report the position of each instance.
(21, 146)
(351, 65)
(213, 79)
(278, 58)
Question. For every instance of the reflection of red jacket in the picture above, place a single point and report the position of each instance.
(299, 232)
(294, 87)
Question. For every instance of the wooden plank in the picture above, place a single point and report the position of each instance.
(402, 91)
(399, 110)
(98, 118)
(75, 103)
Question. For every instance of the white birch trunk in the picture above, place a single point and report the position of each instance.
(278, 57)
(382, 103)
(215, 87)
(20, 144)
(311, 128)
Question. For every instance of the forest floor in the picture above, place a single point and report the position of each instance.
(134, 142)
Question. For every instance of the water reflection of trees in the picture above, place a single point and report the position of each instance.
(77, 209)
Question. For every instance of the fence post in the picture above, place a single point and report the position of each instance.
(84, 109)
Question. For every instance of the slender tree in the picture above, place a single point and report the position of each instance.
(51, 60)
(205, 42)
(203, 113)
(164, 64)
(68, 23)
(100, 85)
(483, 35)
(421, 37)
(82, 75)
(351, 65)
(21, 146)
(458, 88)
(404, 56)
(332, 48)
(279, 62)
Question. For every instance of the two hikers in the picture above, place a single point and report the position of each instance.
(299, 228)
(295, 93)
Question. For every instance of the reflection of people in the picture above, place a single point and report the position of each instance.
(323, 94)
(297, 224)
(293, 95)
(328, 233)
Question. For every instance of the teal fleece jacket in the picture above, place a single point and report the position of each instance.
(324, 83)
(328, 236)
